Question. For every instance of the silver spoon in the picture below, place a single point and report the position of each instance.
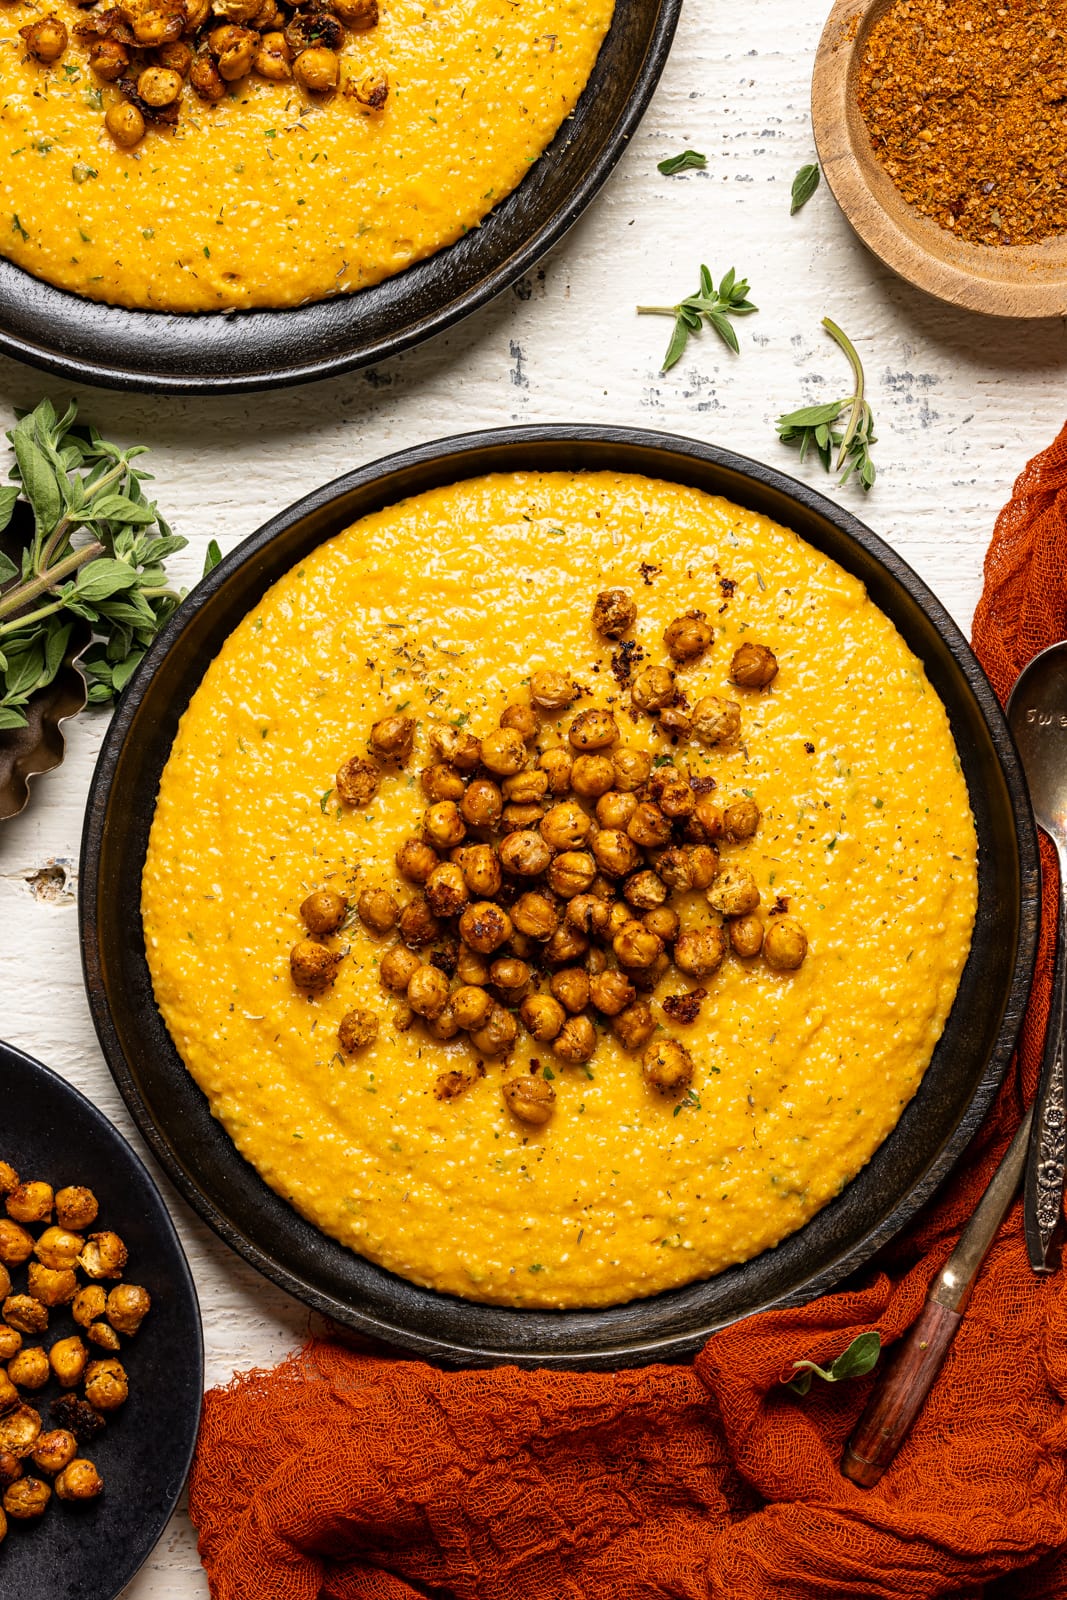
(1037, 714)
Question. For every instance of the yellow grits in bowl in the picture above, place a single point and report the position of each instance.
(442, 607)
(277, 196)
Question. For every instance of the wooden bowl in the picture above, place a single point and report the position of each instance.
(172, 1113)
(1003, 281)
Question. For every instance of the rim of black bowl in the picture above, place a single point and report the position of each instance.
(237, 352)
(841, 1237)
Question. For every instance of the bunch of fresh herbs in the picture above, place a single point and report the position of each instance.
(96, 553)
(847, 449)
(711, 305)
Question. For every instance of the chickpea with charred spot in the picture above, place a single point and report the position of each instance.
(592, 776)
(667, 1066)
(497, 1034)
(106, 1384)
(753, 666)
(25, 1314)
(396, 968)
(46, 40)
(653, 689)
(648, 827)
(357, 780)
(357, 1029)
(79, 1481)
(30, 1202)
(614, 613)
(26, 1499)
(530, 1100)
(312, 967)
(635, 1026)
(482, 804)
(54, 1450)
(418, 926)
(324, 911)
(524, 854)
(416, 860)
(459, 749)
(700, 952)
(734, 892)
(378, 910)
(485, 927)
(109, 59)
(442, 782)
(716, 721)
(535, 915)
(76, 1208)
(446, 890)
(391, 738)
(234, 49)
(594, 729)
(688, 636)
(741, 819)
(557, 764)
(571, 873)
(565, 947)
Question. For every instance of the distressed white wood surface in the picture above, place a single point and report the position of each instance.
(961, 403)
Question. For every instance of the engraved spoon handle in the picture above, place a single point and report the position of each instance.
(1043, 1188)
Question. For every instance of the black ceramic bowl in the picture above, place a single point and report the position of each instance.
(214, 351)
(172, 1113)
(48, 1130)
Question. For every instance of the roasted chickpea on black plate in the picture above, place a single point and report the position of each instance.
(101, 1358)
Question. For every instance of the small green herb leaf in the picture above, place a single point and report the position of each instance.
(715, 306)
(687, 161)
(212, 557)
(846, 450)
(856, 1361)
(804, 186)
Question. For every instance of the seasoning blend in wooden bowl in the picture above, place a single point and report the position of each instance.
(943, 139)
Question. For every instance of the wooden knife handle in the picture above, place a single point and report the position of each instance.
(898, 1397)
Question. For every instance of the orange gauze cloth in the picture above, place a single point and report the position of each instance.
(362, 1477)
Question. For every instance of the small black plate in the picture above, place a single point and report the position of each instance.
(173, 1114)
(48, 1130)
(216, 352)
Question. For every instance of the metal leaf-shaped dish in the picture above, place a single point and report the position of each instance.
(40, 745)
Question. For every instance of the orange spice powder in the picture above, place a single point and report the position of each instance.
(966, 105)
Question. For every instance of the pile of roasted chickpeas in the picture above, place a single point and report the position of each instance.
(544, 874)
(153, 48)
(56, 1261)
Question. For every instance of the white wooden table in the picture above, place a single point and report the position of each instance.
(960, 405)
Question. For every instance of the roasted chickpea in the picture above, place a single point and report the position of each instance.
(272, 56)
(58, 1249)
(104, 1256)
(667, 1066)
(30, 1202)
(753, 666)
(635, 946)
(543, 1016)
(619, 914)
(311, 966)
(593, 730)
(521, 720)
(535, 915)
(716, 721)
(108, 58)
(159, 86)
(446, 890)
(480, 867)
(663, 922)
(471, 1006)
(632, 768)
(236, 10)
(317, 70)
(571, 988)
(444, 1024)
(614, 613)
(482, 804)
(206, 79)
(645, 891)
(10, 1469)
(588, 914)
(645, 979)
(25, 1314)
(19, 1432)
(673, 720)
(442, 782)
(79, 1481)
(9, 1395)
(68, 1358)
(675, 799)
(76, 1208)
(427, 991)
(461, 750)
(566, 946)
(485, 927)
(741, 819)
(688, 637)
(634, 1026)
(702, 862)
(552, 691)
(391, 738)
(707, 821)
(324, 911)
(10, 1343)
(357, 1028)
(54, 1450)
(103, 1335)
(526, 788)
(566, 826)
(403, 1017)
(524, 854)
(45, 40)
(592, 776)
(648, 827)
(557, 765)
(571, 873)
(377, 910)
(672, 865)
(497, 1034)
(471, 967)
(576, 1041)
(700, 951)
(418, 926)
(9, 1178)
(746, 936)
(531, 1100)
(397, 966)
(653, 689)
(785, 944)
(89, 1304)
(234, 49)
(615, 852)
(520, 819)
(357, 780)
(51, 1288)
(611, 992)
(504, 752)
(444, 825)
(614, 809)
(359, 15)
(29, 1369)
(106, 1384)
(415, 860)
(734, 892)
(511, 978)
(5, 1282)
(177, 56)
(26, 1499)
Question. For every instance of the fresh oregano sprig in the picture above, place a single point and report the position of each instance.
(711, 305)
(856, 1361)
(844, 450)
(97, 552)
